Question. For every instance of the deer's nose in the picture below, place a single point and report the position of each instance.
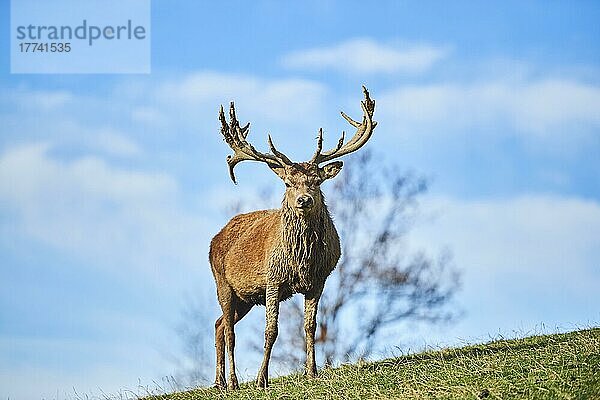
(304, 201)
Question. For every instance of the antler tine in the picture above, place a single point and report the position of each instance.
(279, 155)
(364, 130)
(350, 120)
(225, 131)
(244, 130)
(235, 137)
(319, 145)
(318, 154)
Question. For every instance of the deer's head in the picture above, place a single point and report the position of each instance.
(302, 180)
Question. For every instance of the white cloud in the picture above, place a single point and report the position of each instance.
(361, 56)
(542, 250)
(276, 100)
(46, 100)
(526, 232)
(149, 115)
(188, 107)
(132, 222)
(70, 121)
(115, 143)
(541, 107)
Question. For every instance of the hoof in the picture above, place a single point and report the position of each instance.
(221, 385)
(233, 385)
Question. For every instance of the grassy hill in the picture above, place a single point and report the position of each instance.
(560, 366)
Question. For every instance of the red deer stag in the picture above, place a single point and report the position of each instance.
(264, 257)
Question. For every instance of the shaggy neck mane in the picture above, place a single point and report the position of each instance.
(303, 236)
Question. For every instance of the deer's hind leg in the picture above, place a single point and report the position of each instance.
(220, 381)
(233, 310)
(241, 309)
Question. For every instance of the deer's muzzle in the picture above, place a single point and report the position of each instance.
(305, 201)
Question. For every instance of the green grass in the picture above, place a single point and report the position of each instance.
(559, 366)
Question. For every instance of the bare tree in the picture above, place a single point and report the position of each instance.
(378, 283)
(193, 362)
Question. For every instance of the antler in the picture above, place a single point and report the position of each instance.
(364, 130)
(235, 136)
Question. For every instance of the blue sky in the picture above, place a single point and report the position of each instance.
(111, 186)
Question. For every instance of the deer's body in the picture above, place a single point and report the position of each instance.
(264, 257)
(274, 245)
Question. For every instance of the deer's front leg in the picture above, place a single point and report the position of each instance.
(272, 315)
(311, 303)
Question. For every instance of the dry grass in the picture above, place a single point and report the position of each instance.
(559, 366)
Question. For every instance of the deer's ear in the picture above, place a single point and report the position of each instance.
(330, 170)
(279, 171)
